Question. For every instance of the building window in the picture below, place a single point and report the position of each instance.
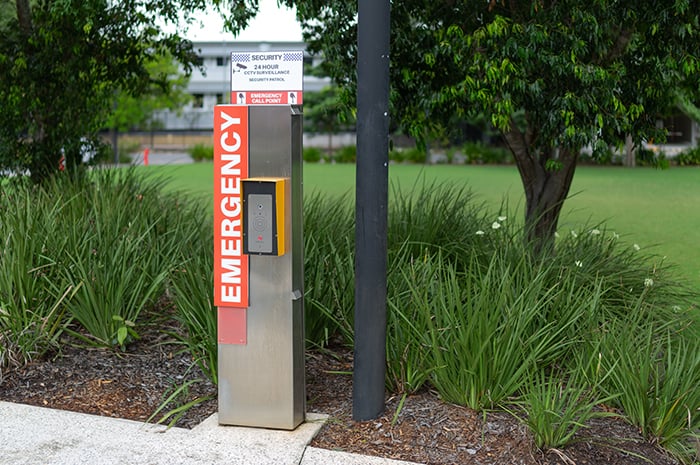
(197, 100)
(679, 129)
(219, 99)
(221, 61)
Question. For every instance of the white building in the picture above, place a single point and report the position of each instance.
(213, 86)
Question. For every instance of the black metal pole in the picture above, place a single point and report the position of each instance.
(372, 192)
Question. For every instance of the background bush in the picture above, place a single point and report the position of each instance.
(409, 155)
(690, 157)
(201, 152)
(653, 158)
(474, 153)
(346, 154)
(312, 154)
(479, 153)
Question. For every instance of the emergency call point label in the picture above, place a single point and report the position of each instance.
(267, 78)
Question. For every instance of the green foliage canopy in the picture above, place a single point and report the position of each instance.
(553, 77)
(63, 63)
(167, 90)
(324, 112)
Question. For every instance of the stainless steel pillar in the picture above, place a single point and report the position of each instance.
(261, 383)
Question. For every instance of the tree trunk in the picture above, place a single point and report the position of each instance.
(45, 161)
(546, 178)
(630, 155)
(24, 16)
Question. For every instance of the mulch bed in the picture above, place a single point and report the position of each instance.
(133, 384)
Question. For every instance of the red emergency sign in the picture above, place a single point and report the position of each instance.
(230, 264)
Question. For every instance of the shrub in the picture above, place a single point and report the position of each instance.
(478, 153)
(410, 155)
(593, 255)
(408, 367)
(690, 157)
(556, 406)
(433, 218)
(653, 158)
(654, 368)
(329, 268)
(123, 238)
(347, 154)
(32, 293)
(193, 296)
(104, 154)
(201, 152)
(111, 237)
(473, 315)
(436, 217)
(601, 154)
(312, 154)
(488, 330)
(396, 155)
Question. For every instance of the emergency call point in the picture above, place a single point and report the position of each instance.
(263, 216)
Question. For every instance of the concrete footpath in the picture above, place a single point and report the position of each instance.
(43, 436)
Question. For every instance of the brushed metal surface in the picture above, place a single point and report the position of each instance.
(261, 384)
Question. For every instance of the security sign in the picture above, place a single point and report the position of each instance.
(267, 78)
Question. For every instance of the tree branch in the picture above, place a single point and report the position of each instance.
(618, 49)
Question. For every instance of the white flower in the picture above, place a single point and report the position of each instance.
(556, 234)
(495, 225)
(676, 308)
(480, 232)
(574, 233)
(636, 247)
(578, 263)
(615, 235)
(648, 282)
(595, 232)
(502, 218)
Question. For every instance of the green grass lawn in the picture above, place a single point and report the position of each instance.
(654, 209)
